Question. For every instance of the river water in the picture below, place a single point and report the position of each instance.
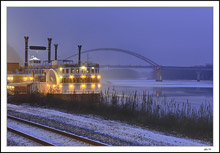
(192, 91)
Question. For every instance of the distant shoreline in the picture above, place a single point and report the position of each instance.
(164, 83)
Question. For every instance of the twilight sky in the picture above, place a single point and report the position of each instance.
(173, 36)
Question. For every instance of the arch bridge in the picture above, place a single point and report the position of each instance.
(153, 64)
(139, 56)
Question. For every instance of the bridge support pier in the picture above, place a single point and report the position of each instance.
(198, 73)
(158, 74)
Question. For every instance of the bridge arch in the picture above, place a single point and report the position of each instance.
(122, 51)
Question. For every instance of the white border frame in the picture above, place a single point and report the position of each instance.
(214, 4)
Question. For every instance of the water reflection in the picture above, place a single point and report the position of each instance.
(158, 91)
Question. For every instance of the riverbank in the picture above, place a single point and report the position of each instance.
(109, 131)
(165, 116)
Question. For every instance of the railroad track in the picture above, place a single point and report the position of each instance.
(51, 129)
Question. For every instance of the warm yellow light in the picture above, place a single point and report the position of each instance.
(93, 76)
(25, 78)
(92, 67)
(54, 86)
(10, 78)
(31, 78)
(48, 85)
(83, 86)
(71, 76)
(83, 67)
(83, 76)
(61, 77)
(93, 85)
(71, 86)
(99, 85)
(60, 86)
(99, 76)
(61, 68)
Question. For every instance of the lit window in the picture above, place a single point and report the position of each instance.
(71, 86)
(83, 86)
(99, 85)
(99, 77)
(83, 68)
(71, 76)
(93, 76)
(93, 86)
(83, 76)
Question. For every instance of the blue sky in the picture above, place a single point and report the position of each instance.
(174, 36)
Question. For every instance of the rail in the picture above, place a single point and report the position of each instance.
(64, 133)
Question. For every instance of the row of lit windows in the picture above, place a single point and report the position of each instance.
(19, 78)
(79, 80)
(71, 86)
(77, 70)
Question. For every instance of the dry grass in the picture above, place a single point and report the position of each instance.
(168, 116)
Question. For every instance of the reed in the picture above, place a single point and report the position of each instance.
(143, 110)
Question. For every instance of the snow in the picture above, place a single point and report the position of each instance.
(51, 137)
(115, 129)
(16, 140)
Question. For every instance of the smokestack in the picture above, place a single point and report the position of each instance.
(79, 61)
(49, 47)
(26, 50)
(55, 46)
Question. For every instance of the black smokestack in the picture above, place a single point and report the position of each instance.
(79, 61)
(55, 46)
(26, 50)
(49, 47)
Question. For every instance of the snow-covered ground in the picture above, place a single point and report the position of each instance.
(115, 129)
(16, 140)
(43, 134)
